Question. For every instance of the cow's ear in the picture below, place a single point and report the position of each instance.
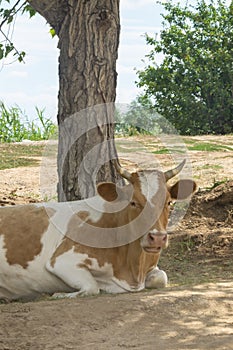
(182, 189)
(108, 191)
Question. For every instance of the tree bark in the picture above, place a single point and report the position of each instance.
(88, 34)
(54, 11)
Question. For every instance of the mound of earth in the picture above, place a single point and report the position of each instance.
(209, 220)
(201, 248)
(211, 208)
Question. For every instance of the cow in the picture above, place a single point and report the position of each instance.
(110, 242)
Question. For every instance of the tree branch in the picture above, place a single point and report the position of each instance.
(52, 11)
(19, 54)
(8, 17)
(12, 10)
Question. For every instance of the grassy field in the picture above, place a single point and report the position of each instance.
(14, 155)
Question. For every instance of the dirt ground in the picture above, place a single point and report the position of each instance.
(194, 312)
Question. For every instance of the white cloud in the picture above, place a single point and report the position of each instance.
(127, 94)
(28, 103)
(123, 69)
(134, 38)
(132, 4)
(18, 73)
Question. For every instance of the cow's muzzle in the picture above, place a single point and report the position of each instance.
(156, 242)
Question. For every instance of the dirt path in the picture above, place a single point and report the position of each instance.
(199, 317)
(194, 312)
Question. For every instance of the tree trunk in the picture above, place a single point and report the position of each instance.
(88, 34)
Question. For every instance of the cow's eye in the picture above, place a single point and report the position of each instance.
(134, 204)
(171, 205)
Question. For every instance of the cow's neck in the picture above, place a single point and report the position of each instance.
(137, 263)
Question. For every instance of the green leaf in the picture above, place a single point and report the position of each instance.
(52, 32)
(8, 49)
(1, 53)
(30, 10)
(10, 19)
(21, 56)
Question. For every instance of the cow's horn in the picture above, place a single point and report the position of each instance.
(173, 172)
(124, 173)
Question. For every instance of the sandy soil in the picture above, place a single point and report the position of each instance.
(194, 312)
(197, 317)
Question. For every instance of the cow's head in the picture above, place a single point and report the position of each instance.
(147, 200)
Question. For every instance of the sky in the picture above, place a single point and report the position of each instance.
(35, 82)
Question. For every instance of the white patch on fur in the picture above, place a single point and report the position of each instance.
(154, 231)
(64, 211)
(149, 184)
(88, 281)
(27, 283)
(67, 268)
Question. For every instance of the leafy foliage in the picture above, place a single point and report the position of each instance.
(139, 118)
(15, 126)
(193, 87)
(7, 15)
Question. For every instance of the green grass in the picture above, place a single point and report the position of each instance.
(191, 144)
(208, 147)
(15, 126)
(14, 156)
(210, 166)
(198, 146)
(161, 151)
(216, 183)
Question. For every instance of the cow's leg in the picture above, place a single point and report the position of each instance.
(79, 279)
(156, 279)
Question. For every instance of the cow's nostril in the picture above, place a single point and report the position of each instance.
(151, 237)
(157, 239)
